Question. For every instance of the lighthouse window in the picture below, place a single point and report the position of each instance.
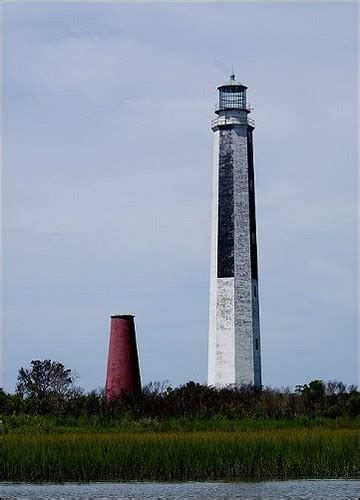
(232, 97)
(254, 291)
(256, 344)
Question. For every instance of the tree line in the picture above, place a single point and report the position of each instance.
(48, 388)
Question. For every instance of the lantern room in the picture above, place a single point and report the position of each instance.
(232, 95)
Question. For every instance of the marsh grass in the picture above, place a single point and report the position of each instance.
(262, 454)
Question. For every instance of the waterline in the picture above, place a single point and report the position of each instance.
(299, 489)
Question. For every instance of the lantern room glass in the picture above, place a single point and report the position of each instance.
(232, 97)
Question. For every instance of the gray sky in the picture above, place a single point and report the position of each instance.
(107, 182)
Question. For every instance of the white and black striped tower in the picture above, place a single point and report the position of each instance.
(234, 329)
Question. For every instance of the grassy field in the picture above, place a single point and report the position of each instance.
(199, 455)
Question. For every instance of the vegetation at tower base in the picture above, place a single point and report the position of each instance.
(189, 432)
(159, 403)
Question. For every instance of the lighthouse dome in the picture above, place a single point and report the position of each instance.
(232, 82)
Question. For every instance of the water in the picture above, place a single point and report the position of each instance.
(311, 489)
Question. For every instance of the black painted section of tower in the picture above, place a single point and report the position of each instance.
(225, 252)
(253, 244)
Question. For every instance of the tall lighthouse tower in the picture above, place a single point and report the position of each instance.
(234, 329)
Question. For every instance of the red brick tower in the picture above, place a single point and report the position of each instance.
(123, 374)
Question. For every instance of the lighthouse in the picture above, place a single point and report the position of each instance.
(234, 328)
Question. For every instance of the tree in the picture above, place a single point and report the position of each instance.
(314, 391)
(45, 378)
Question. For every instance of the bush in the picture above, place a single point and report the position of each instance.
(193, 400)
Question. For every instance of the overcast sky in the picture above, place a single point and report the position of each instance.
(107, 182)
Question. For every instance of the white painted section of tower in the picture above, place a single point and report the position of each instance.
(225, 348)
(234, 330)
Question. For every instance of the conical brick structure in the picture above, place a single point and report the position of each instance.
(123, 374)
